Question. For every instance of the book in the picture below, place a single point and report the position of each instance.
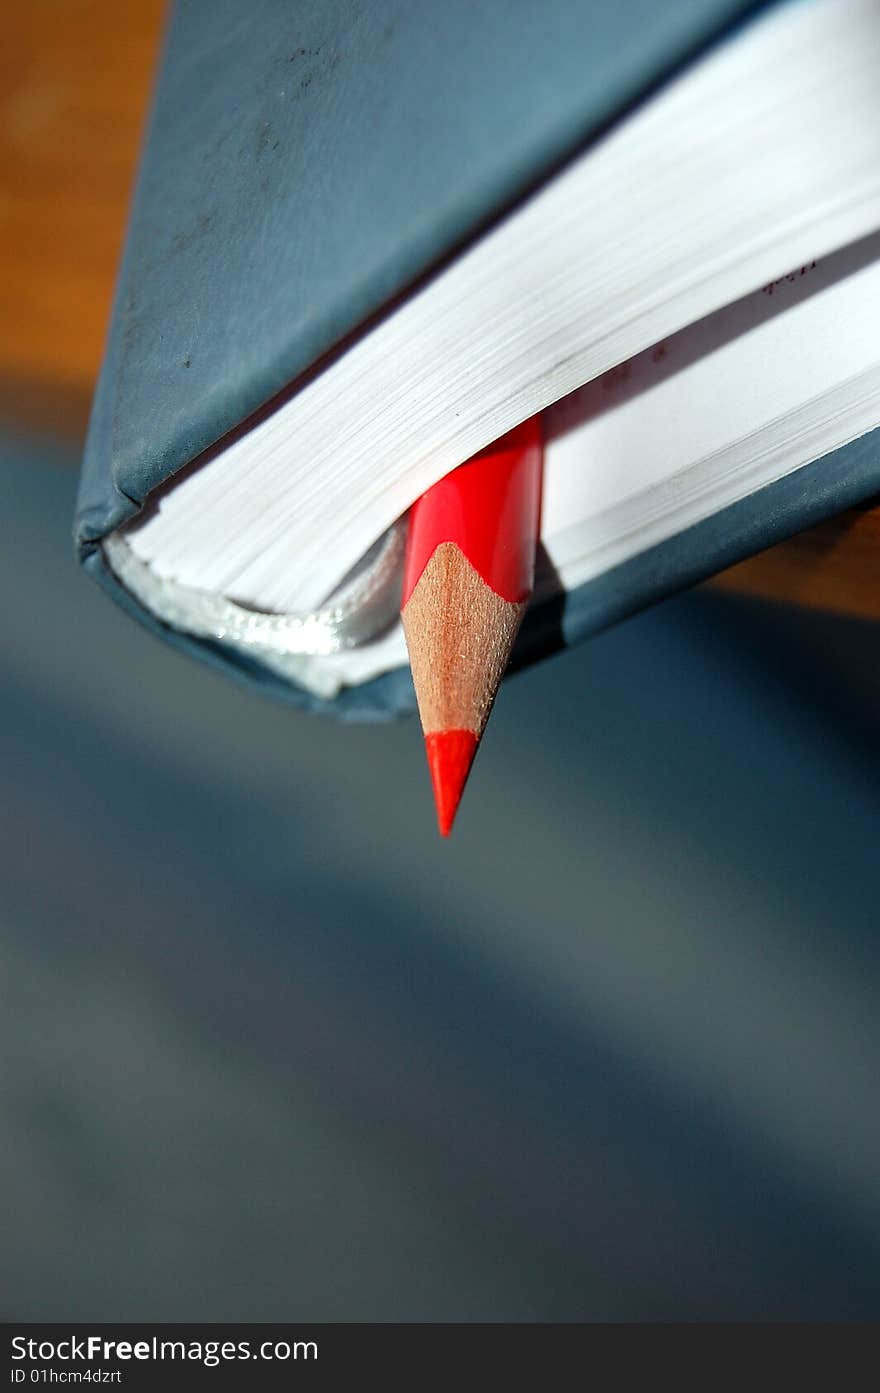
(367, 241)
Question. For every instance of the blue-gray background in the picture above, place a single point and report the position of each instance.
(272, 1051)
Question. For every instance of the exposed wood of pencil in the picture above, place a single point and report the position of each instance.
(459, 634)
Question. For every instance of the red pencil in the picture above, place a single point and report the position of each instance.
(469, 571)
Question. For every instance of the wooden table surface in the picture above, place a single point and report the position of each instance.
(75, 78)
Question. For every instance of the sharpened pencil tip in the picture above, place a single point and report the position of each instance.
(450, 756)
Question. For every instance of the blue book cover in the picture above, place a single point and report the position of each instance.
(305, 165)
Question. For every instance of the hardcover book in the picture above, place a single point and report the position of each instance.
(369, 238)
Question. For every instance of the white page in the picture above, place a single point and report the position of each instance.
(711, 386)
(752, 393)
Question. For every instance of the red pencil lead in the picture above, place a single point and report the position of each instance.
(468, 575)
(450, 756)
